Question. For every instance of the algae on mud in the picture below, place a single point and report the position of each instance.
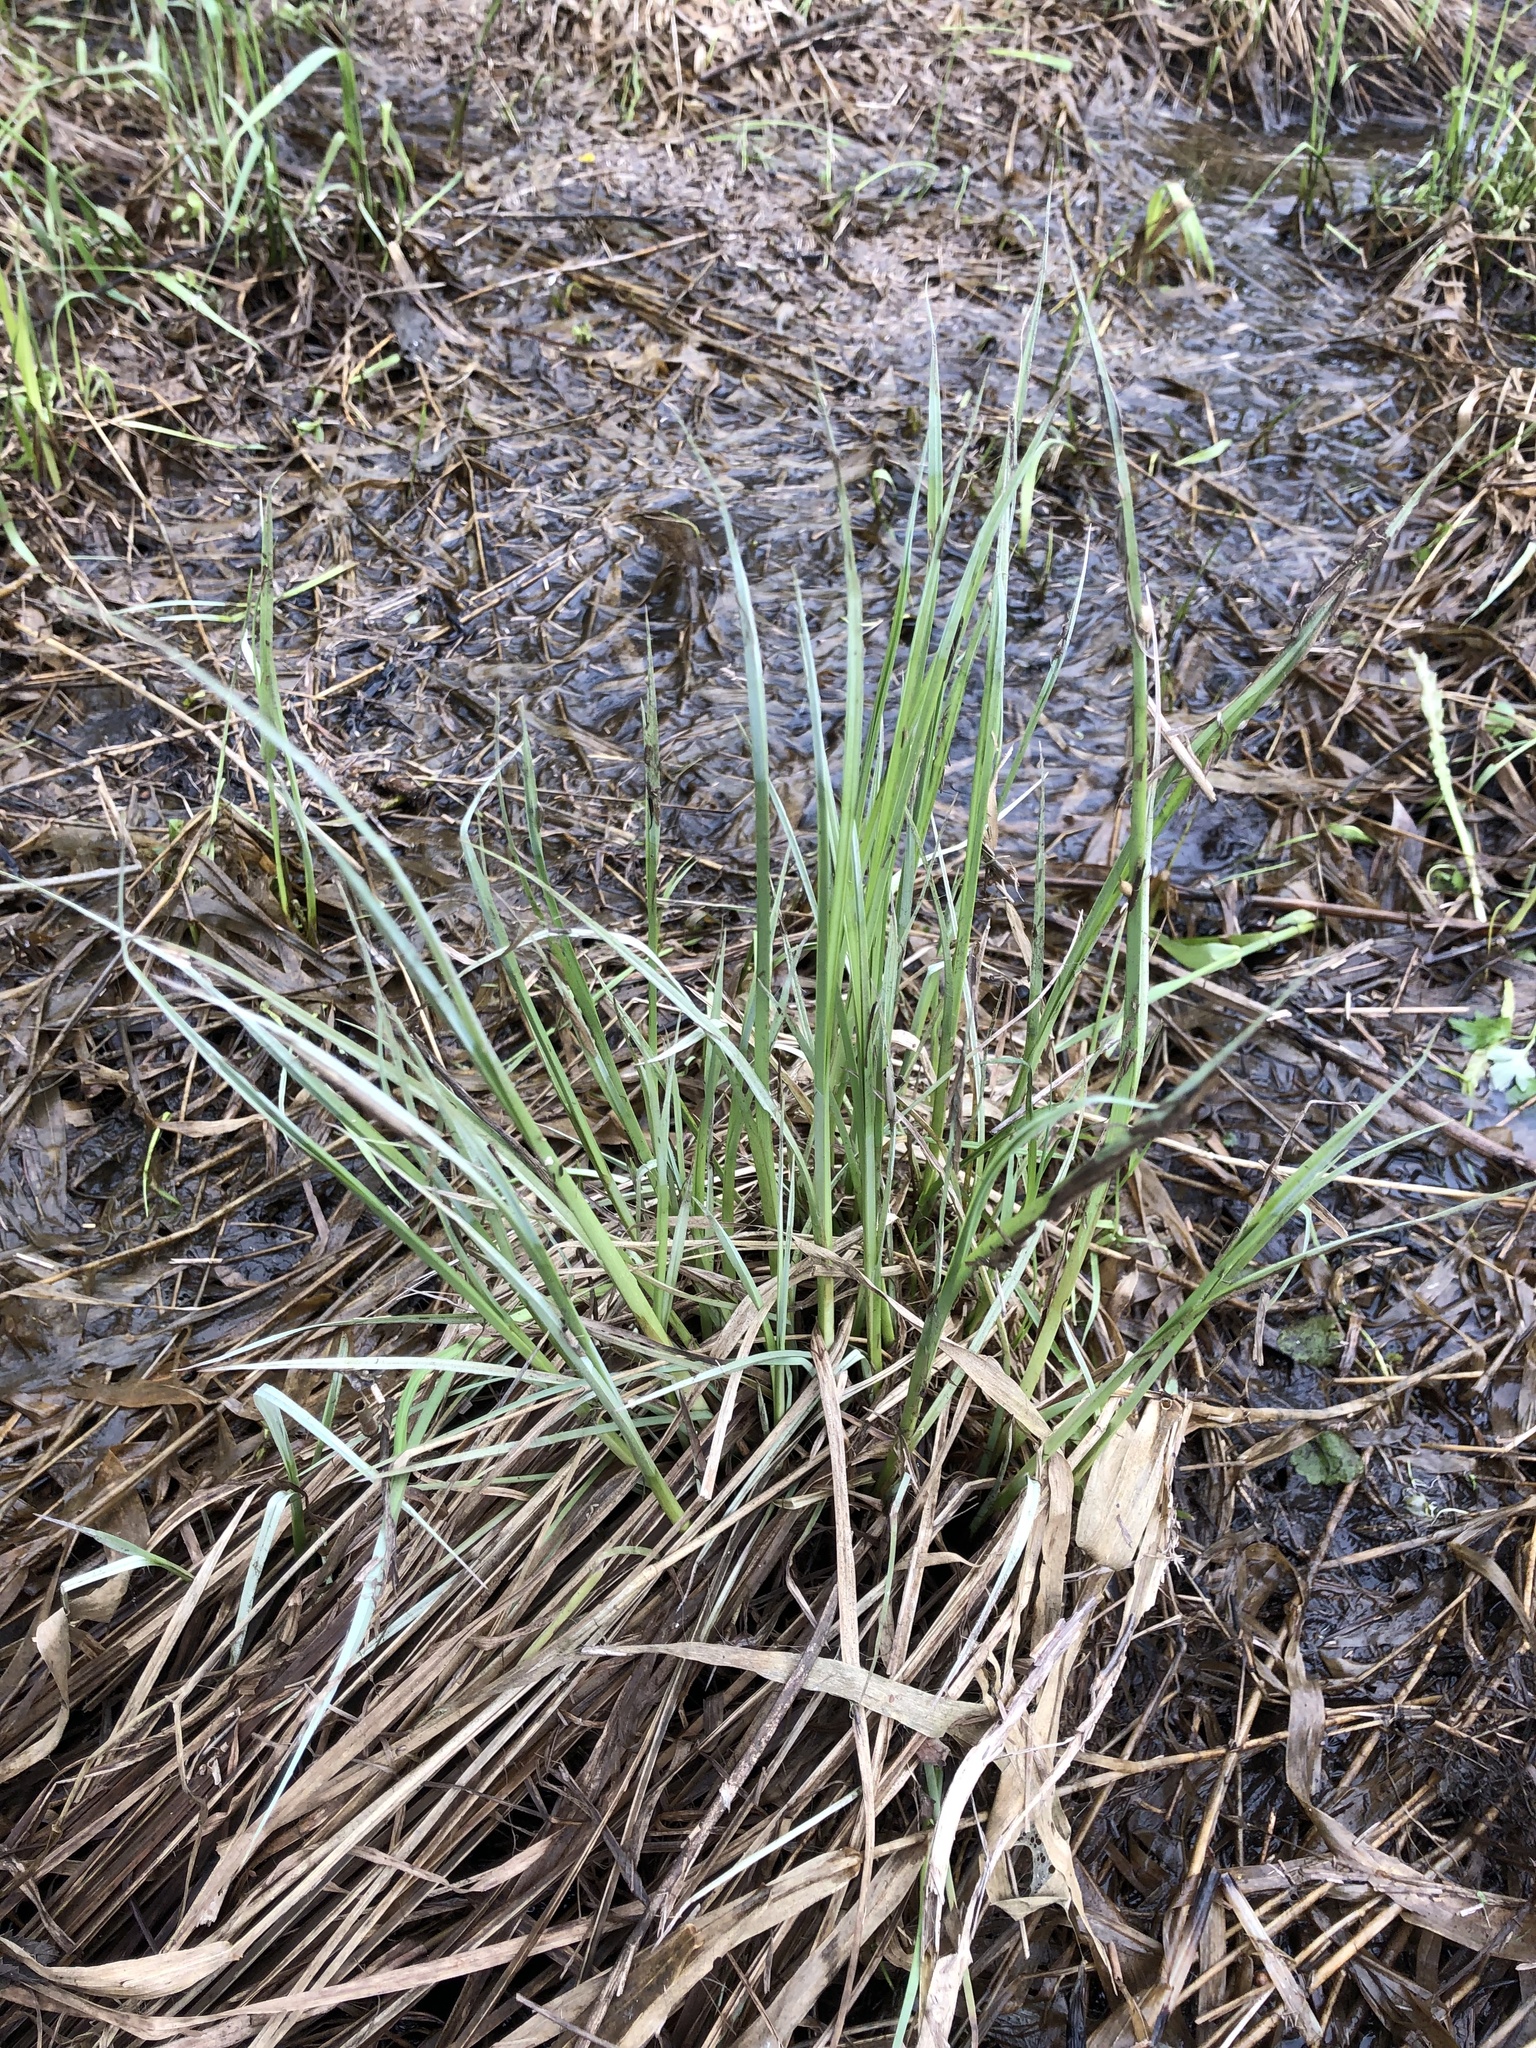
(484, 508)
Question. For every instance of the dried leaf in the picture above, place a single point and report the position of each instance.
(892, 1886)
(145, 1393)
(51, 1641)
(1277, 1964)
(1496, 1925)
(158, 1976)
(923, 1711)
(994, 1385)
(1499, 1579)
(668, 1972)
(1406, 2009)
(125, 1517)
(1126, 1484)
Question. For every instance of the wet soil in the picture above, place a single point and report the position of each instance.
(516, 537)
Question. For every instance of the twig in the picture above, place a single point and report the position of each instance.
(501, 284)
(566, 2026)
(820, 32)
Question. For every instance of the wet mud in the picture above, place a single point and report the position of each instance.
(522, 538)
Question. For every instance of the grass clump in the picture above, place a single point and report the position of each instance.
(706, 1467)
(821, 1125)
(142, 175)
(1483, 157)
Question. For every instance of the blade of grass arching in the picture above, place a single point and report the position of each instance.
(533, 1022)
(1432, 704)
(370, 1593)
(1222, 727)
(652, 731)
(171, 281)
(263, 663)
(758, 1029)
(277, 1429)
(467, 1143)
(252, 126)
(388, 1133)
(934, 688)
(828, 896)
(127, 1555)
(1138, 935)
(363, 1111)
(573, 976)
(858, 794)
(1043, 695)
(636, 956)
(30, 407)
(980, 1239)
(1236, 1265)
(655, 1084)
(988, 1234)
(874, 808)
(429, 969)
(13, 539)
(266, 1537)
(794, 865)
(259, 659)
(473, 1136)
(981, 818)
(357, 146)
(1138, 864)
(271, 1401)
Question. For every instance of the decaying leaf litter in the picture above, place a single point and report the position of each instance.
(547, 1380)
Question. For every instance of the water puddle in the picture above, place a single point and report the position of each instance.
(515, 532)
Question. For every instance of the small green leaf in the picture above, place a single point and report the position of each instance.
(1171, 217)
(1213, 453)
(1481, 1034)
(1313, 1341)
(1328, 1460)
(1211, 956)
(1511, 1073)
(1501, 719)
(1493, 1055)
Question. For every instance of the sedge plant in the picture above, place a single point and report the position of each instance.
(602, 1146)
(1482, 157)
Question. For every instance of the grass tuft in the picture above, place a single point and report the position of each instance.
(822, 1135)
(141, 177)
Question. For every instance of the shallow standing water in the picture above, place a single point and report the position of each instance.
(522, 539)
